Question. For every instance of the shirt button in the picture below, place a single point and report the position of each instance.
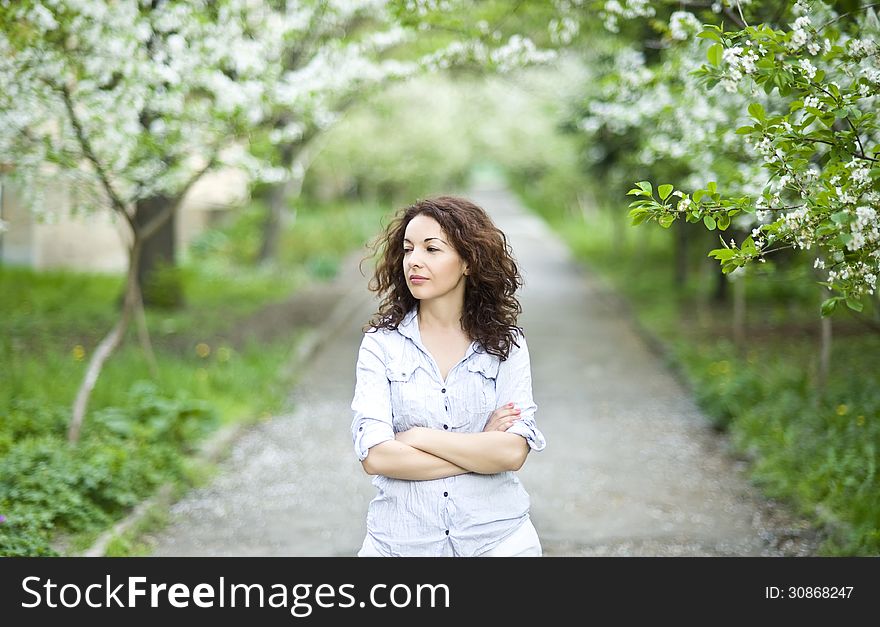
(446, 494)
(360, 428)
(445, 426)
(443, 390)
(447, 532)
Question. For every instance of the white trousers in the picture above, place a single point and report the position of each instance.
(523, 542)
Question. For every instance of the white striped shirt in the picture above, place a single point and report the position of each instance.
(399, 386)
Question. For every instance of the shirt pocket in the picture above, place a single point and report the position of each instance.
(481, 399)
(408, 403)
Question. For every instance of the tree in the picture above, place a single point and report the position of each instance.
(129, 103)
(806, 76)
(132, 102)
(345, 52)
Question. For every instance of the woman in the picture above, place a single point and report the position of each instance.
(443, 408)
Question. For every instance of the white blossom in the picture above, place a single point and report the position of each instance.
(808, 68)
(683, 24)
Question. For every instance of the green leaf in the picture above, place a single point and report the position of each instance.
(757, 111)
(698, 194)
(709, 221)
(721, 254)
(664, 191)
(715, 54)
(766, 63)
(854, 303)
(710, 34)
(643, 203)
(829, 306)
(841, 217)
(646, 186)
(711, 187)
(826, 229)
(723, 221)
(666, 220)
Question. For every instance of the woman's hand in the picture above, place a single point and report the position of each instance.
(502, 418)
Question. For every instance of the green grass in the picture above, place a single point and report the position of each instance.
(44, 340)
(140, 432)
(816, 449)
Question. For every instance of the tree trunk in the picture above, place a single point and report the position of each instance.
(296, 158)
(825, 335)
(271, 232)
(681, 250)
(739, 311)
(720, 294)
(106, 347)
(157, 282)
(132, 303)
(824, 353)
(144, 335)
(277, 201)
(2, 209)
(621, 229)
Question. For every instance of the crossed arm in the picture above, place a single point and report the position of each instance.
(423, 453)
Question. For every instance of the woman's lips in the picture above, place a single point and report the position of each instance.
(417, 280)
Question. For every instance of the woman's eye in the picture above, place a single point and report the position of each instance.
(431, 249)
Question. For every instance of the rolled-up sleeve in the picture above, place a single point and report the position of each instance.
(514, 384)
(371, 405)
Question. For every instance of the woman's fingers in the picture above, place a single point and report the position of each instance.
(503, 417)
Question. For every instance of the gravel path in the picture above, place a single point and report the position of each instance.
(631, 466)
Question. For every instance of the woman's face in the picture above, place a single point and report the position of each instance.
(428, 253)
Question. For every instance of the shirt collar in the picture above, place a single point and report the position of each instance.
(409, 326)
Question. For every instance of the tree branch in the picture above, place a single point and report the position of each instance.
(156, 223)
(735, 18)
(840, 17)
(86, 146)
(858, 139)
(106, 347)
(144, 335)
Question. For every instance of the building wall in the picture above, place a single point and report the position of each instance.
(15, 242)
(96, 241)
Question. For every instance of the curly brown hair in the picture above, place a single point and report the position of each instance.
(490, 307)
